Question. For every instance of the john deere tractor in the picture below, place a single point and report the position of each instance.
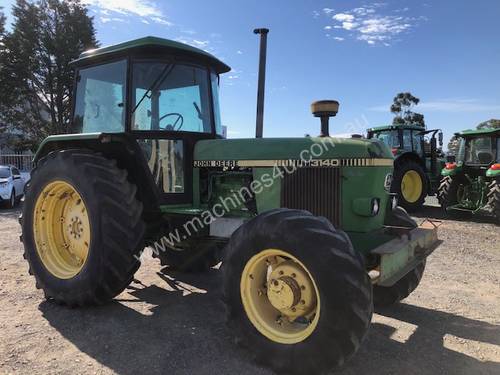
(418, 162)
(472, 183)
(308, 234)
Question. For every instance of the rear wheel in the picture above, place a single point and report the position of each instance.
(82, 228)
(410, 184)
(386, 296)
(494, 199)
(448, 193)
(298, 295)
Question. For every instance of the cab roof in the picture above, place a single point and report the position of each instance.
(479, 132)
(150, 42)
(395, 127)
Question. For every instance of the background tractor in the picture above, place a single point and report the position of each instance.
(311, 238)
(418, 161)
(472, 183)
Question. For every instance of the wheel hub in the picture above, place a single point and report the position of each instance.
(283, 293)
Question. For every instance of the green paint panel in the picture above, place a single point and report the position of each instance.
(270, 196)
(289, 148)
(65, 137)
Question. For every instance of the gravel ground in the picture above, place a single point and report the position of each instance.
(174, 323)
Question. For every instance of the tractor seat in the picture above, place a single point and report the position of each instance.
(484, 157)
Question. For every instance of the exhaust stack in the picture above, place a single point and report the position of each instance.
(259, 126)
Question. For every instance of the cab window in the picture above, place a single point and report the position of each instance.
(390, 138)
(100, 98)
(172, 97)
(417, 141)
(407, 145)
(479, 151)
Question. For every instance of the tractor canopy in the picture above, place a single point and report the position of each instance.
(479, 149)
(148, 44)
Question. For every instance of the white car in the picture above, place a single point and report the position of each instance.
(11, 185)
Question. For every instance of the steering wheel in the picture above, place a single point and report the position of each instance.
(172, 126)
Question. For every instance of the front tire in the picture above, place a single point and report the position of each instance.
(82, 228)
(11, 203)
(297, 293)
(387, 296)
(410, 184)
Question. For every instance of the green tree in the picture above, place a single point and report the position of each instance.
(402, 108)
(492, 123)
(46, 36)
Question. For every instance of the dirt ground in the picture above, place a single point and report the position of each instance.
(174, 323)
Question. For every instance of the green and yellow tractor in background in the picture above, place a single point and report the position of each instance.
(309, 237)
(472, 182)
(418, 163)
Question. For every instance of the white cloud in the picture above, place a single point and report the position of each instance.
(143, 8)
(161, 21)
(370, 25)
(111, 19)
(343, 17)
(339, 38)
(328, 10)
(202, 44)
(448, 105)
(239, 52)
(349, 25)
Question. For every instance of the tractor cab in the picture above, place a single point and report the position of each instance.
(472, 183)
(161, 93)
(419, 159)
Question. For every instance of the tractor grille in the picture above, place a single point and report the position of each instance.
(316, 190)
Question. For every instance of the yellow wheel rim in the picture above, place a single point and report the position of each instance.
(280, 296)
(61, 229)
(411, 186)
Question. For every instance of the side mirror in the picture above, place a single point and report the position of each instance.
(440, 139)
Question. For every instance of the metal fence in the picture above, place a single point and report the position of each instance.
(23, 162)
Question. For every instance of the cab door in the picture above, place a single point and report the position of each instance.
(171, 109)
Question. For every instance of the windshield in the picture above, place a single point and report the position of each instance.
(171, 97)
(390, 138)
(4, 172)
(479, 151)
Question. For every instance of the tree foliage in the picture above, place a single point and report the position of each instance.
(492, 123)
(402, 107)
(35, 75)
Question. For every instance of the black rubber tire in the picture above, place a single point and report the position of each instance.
(195, 260)
(447, 191)
(494, 199)
(387, 296)
(400, 169)
(339, 272)
(115, 217)
(11, 203)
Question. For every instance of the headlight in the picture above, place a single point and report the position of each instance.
(394, 202)
(3, 184)
(375, 206)
(388, 182)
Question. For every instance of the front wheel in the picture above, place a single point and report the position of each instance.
(298, 295)
(82, 228)
(11, 203)
(494, 199)
(410, 184)
(387, 296)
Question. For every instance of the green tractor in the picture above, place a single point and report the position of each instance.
(309, 237)
(418, 162)
(472, 183)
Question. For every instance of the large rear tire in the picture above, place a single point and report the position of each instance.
(448, 192)
(410, 184)
(387, 296)
(494, 199)
(11, 203)
(297, 293)
(82, 228)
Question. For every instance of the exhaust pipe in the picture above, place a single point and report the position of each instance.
(259, 126)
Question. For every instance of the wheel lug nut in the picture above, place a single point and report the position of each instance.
(294, 275)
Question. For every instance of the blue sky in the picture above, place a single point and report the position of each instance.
(361, 53)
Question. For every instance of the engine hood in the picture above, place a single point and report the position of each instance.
(290, 149)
